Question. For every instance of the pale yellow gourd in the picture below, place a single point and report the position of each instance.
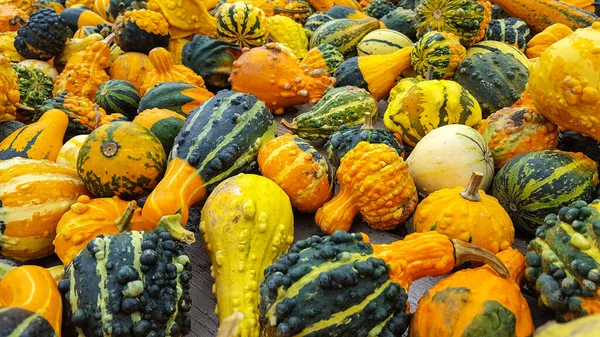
(288, 32)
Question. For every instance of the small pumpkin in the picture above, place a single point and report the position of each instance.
(374, 182)
(121, 158)
(164, 124)
(141, 30)
(242, 24)
(545, 38)
(302, 172)
(131, 67)
(67, 156)
(466, 214)
(163, 70)
(437, 55)
(118, 96)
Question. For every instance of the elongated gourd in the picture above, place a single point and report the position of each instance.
(247, 223)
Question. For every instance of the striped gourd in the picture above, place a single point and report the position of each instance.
(243, 24)
(382, 41)
(67, 156)
(344, 34)
(428, 105)
(164, 124)
(315, 21)
(34, 194)
(118, 96)
(490, 46)
(511, 31)
(440, 51)
(403, 21)
(219, 139)
(175, 96)
(539, 183)
(138, 282)
(324, 57)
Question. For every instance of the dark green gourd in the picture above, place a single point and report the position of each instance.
(118, 96)
(512, 31)
(43, 36)
(402, 20)
(8, 127)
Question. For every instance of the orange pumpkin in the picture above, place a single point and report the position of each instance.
(131, 67)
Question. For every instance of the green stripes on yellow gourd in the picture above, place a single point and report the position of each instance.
(440, 51)
(344, 34)
(382, 41)
(243, 24)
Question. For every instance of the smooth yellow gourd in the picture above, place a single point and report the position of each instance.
(247, 223)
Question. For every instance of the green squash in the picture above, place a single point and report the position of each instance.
(315, 21)
(43, 36)
(512, 31)
(491, 46)
(344, 34)
(535, 184)
(34, 86)
(175, 96)
(339, 106)
(379, 8)
(118, 96)
(403, 21)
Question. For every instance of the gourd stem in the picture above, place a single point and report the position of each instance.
(368, 125)
(293, 126)
(430, 73)
(17, 19)
(464, 252)
(278, 10)
(229, 326)
(172, 223)
(24, 107)
(108, 40)
(471, 192)
(123, 223)
(57, 272)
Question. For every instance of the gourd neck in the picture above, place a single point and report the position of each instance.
(123, 223)
(471, 192)
(161, 60)
(172, 223)
(368, 125)
(292, 126)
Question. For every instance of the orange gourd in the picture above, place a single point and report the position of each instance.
(9, 90)
(164, 70)
(544, 39)
(467, 214)
(374, 182)
(131, 67)
(7, 12)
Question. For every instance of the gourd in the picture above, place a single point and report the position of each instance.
(67, 156)
(219, 139)
(149, 268)
(402, 20)
(463, 305)
(544, 39)
(141, 30)
(378, 8)
(7, 12)
(242, 24)
(344, 12)
(339, 106)
(302, 172)
(163, 70)
(467, 20)
(344, 34)
(437, 55)
(510, 132)
(9, 92)
(118, 96)
(176, 49)
(195, 18)
(574, 142)
(258, 224)
(581, 327)
(74, 46)
(43, 36)
(30, 303)
(164, 124)
(34, 86)
(8, 127)
(324, 57)
(121, 158)
(84, 74)
(89, 218)
(297, 10)
(178, 97)
(466, 214)
(375, 73)
(103, 29)
(286, 31)
(381, 42)
(212, 59)
(539, 14)
(535, 184)
(286, 83)
(45, 67)
(511, 31)
(562, 85)
(374, 182)
(489, 46)
(315, 21)
(34, 195)
(427, 105)
(7, 47)
(360, 288)
(78, 17)
(40, 140)
(446, 157)
(495, 79)
(561, 265)
(131, 67)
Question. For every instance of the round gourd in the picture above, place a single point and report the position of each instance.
(446, 157)
(123, 159)
(582, 327)
(45, 67)
(141, 30)
(67, 156)
(403, 21)
(485, 47)
(511, 31)
(302, 172)
(381, 42)
(43, 36)
(34, 86)
(466, 214)
(428, 105)
(131, 67)
(324, 56)
(510, 132)
(118, 96)
(164, 124)
(564, 85)
(437, 55)
(242, 24)
(535, 184)
(284, 30)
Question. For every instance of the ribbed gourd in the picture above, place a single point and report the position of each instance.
(118, 96)
(34, 86)
(360, 288)
(43, 36)
(512, 31)
(437, 55)
(141, 30)
(402, 20)
(563, 264)
(242, 24)
(256, 217)
(344, 34)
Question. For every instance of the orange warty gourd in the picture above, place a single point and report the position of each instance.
(131, 67)
(9, 90)
(374, 182)
(476, 302)
(284, 83)
(185, 18)
(545, 38)
(163, 70)
(467, 214)
(302, 172)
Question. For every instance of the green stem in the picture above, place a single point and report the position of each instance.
(123, 223)
(57, 272)
(5, 268)
(368, 124)
(172, 223)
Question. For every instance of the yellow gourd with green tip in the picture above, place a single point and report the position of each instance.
(288, 32)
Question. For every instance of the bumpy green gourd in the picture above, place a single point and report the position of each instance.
(379, 8)
(34, 86)
(512, 31)
(43, 36)
(402, 20)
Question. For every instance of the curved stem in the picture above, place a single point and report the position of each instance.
(123, 223)
(293, 126)
(17, 19)
(368, 124)
(471, 192)
(172, 223)
(278, 10)
(464, 252)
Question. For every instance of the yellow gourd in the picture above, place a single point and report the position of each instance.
(9, 90)
(185, 17)
(286, 31)
(164, 70)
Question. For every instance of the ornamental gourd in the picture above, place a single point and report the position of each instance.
(34, 86)
(164, 124)
(43, 36)
(511, 31)
(544, 39)
(359, 288)
(7, 47)
(437, 55)
(74, 46)
(476, 302)
(490, 46)
(302, 172)
(117, 96)
(381, 42)
(374, 182)
(286, 31)
(242, 24)
(186, 18)
(34, 195)
(178, 97)
(581, 327)
(285, 83)
(562, 84)
(78, 17)
(131, 67)
(242, 239)
(324, 57)
(9, 92)
(466, 214)
(67, 156)
(141, 30)
(402, 20)
(163, 70)
(378, 8)
(7, 12)
(344, 34)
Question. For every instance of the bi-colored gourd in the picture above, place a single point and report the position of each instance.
(34, 86)
(466, 214)
(30, 304)
(141, 30)
(511, 31)
(34, 194)
(118, 96)
(67, 156)
(437, 55)
(247, 223)
(490, 46)
(164, 124)
(43, 36)
(164, 70)
(476, 302)
(355, 284)
(286, 31)
(544, 39)
(7, 12)
(242, 24)
(302, 172)
(324, 57)
(374, 182)
(178, 97)
(344, 34)
(381, 42)
(45, 67)
(9, 92)
(131, 67)
(402, 20)
(78, 17)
